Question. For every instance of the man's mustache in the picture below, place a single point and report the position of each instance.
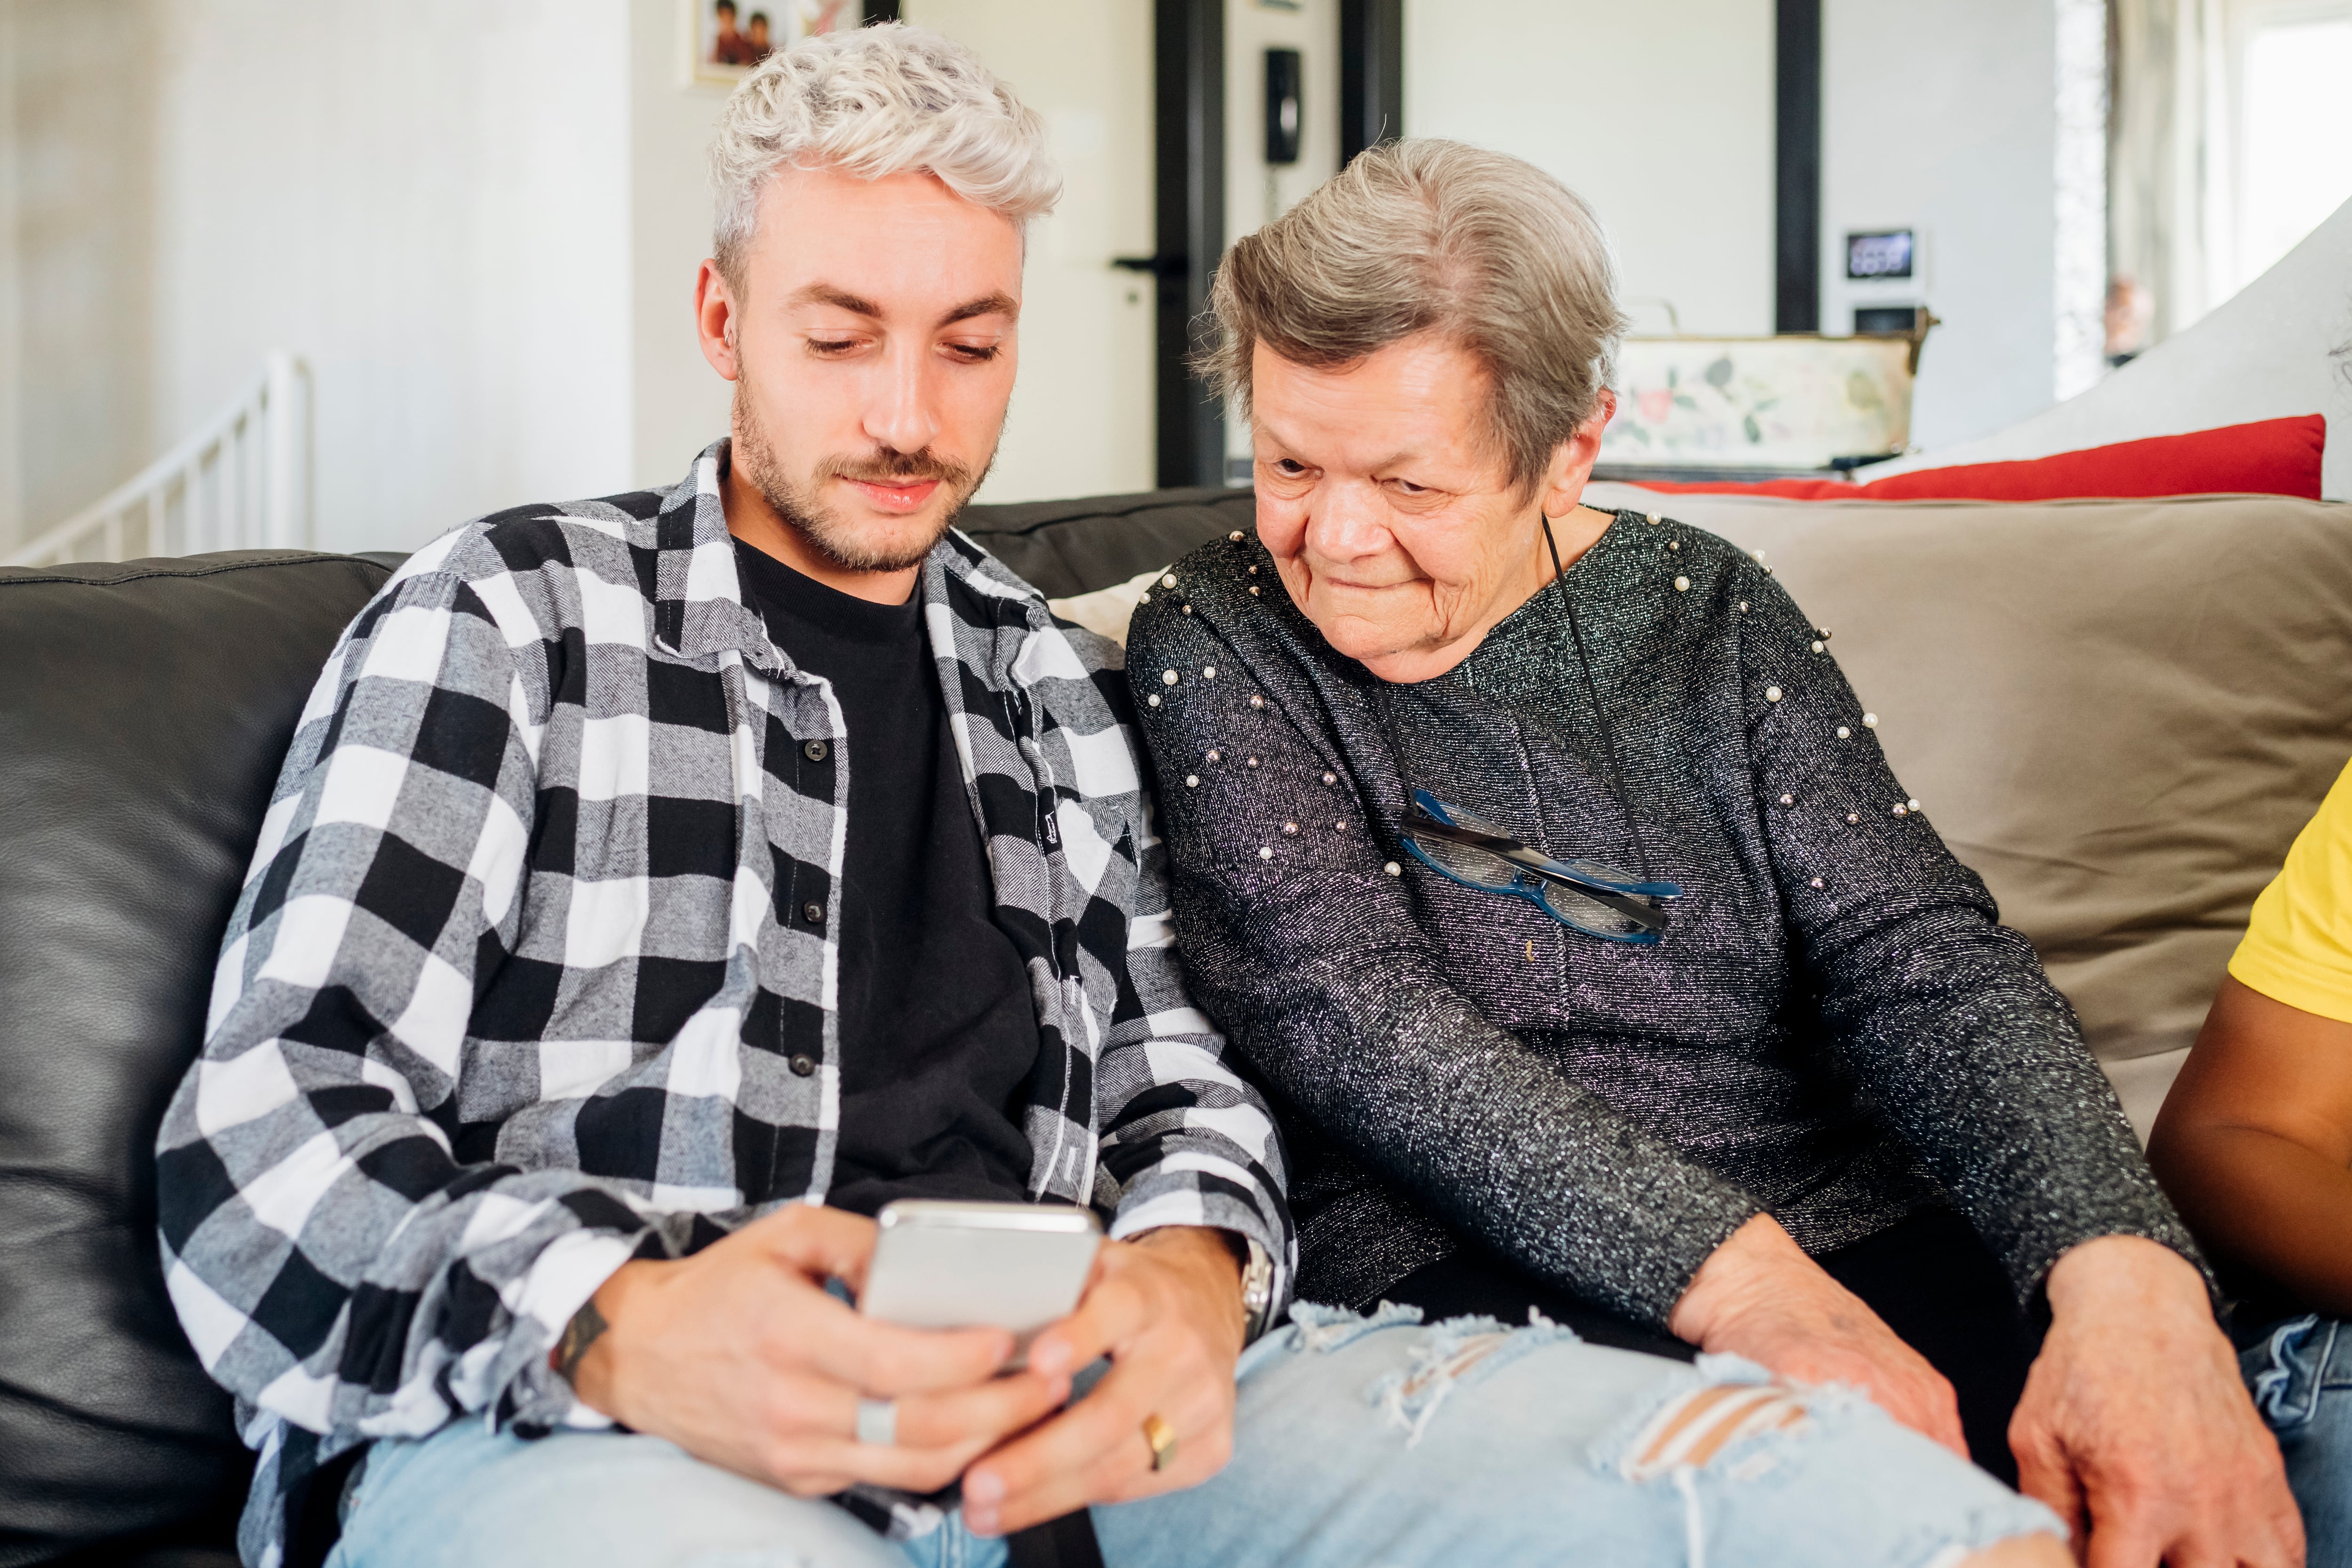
(896, 468)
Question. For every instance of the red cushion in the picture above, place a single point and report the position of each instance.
(2269, 456)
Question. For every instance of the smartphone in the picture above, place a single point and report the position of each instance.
(942, 1265)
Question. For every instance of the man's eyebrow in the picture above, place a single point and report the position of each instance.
(840, 299)
(998, 304)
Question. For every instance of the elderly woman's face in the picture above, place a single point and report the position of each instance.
(1388, 508)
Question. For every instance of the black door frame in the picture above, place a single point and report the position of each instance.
(1371, 74)
(1188, 222)
(1797, 166)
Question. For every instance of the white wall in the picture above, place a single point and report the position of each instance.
(1942, 115)
(1660, 114)
(1081, 421)
(1257, 192)
(430, 202)
(77, 130)
(678, 404)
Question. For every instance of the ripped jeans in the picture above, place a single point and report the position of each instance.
(1359, 1441)
(2300, 1372)
(1375, 1440)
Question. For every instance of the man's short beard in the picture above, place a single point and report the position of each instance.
(832, 540)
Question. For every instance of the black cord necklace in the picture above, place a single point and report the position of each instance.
(1592, 699)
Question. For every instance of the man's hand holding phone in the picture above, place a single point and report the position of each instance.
(1167, 1310)
(739, 1356)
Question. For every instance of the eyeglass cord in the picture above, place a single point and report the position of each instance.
(1593, 699)
(1385, 706)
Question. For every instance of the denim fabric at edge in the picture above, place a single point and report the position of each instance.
(2300, 1372)
(1358, 1440)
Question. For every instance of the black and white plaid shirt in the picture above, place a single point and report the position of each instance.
(507, 1000)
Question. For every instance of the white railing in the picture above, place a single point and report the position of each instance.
(242, 482)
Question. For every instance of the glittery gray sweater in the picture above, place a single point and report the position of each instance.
(1834, 1028)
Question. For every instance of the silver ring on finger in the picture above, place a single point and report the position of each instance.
(877, 1422)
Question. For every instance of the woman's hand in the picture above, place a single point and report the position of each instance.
(2134, 1426)
(1167, 1310)
(1759, 1295)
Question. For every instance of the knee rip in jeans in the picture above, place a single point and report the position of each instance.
(1454, 1354)
(1726, 1414)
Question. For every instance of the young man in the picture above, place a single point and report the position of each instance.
(657, 886)
(2256, 1145)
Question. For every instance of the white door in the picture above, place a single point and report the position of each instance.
(1082, 410)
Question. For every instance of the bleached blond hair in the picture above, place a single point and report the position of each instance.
(874, 102)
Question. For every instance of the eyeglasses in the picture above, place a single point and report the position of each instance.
(1599, 901)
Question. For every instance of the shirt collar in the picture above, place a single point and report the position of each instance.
(698, 603)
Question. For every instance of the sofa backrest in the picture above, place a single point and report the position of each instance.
(2119, 713)
(144, 709)
(1065, 547)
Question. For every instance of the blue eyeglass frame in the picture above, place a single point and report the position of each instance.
(1531, 869)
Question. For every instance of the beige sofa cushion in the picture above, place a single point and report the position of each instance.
(2117, 713)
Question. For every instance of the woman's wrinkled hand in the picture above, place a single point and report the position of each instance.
(2134, 1426)
(1759, 1295)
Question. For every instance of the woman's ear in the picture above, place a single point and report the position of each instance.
(1572, 460)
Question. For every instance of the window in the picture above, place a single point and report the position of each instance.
(2287, 161)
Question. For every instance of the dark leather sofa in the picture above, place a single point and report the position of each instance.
(144, 707)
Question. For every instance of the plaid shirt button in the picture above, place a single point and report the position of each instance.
(814, 750)
(812, 912)
(804, 1065)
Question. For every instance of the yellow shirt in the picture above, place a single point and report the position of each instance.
(2298, 948)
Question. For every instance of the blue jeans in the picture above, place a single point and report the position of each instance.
(1358, 1440)
(2300, 1372)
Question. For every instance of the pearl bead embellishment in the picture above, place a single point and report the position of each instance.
(1852, 818)
(1682, 585)
(1256, 700)
(1154, 699)
(1788, 800)
(1235, 536)
(1216, 756)
(1208, 672)
(1168, 678)
(1290, 830)
(1816, 882)
(1844, 734)
(1772, 694)
(1263, 852)
(1169, 580)
(1191, 780)
(1393, 869)
(1869, 721)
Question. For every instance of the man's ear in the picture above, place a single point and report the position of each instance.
(715, 319)
(1572, 460)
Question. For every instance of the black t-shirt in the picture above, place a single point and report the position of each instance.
(939, 1034)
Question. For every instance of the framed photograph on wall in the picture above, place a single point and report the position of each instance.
(724, 39)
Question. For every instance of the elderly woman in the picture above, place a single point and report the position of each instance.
(1543, 864)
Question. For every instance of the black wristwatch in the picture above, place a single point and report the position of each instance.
(578, 1335)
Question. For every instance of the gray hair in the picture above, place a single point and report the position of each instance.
(1481, 247)
(874, 102)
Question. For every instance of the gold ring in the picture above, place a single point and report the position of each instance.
(1162, 1438)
